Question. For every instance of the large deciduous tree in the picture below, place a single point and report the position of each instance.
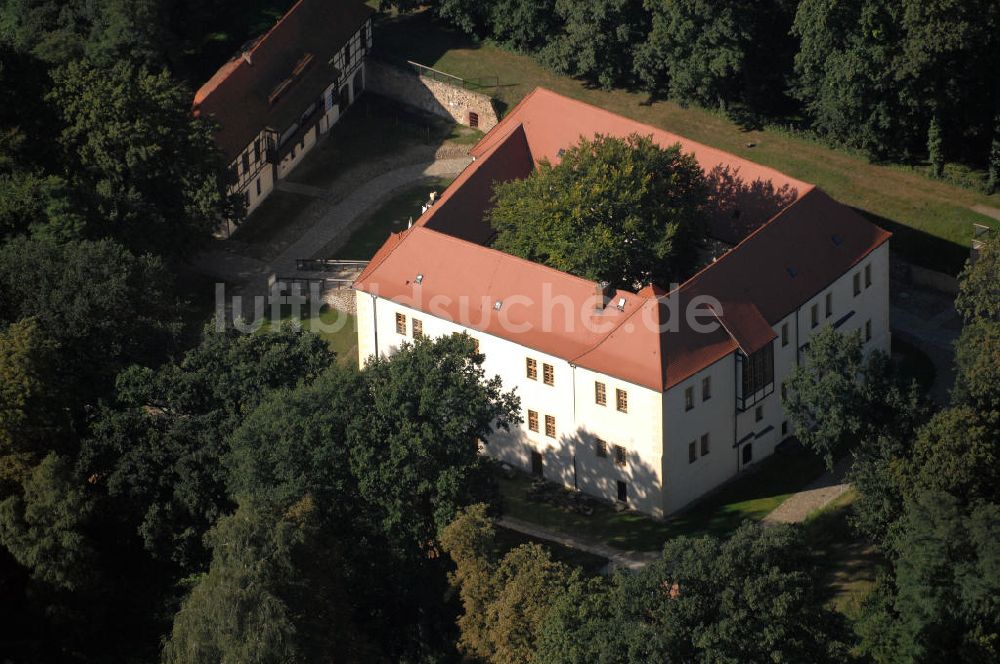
(621, 210)
(596, 39)
(416, 445)
(718, 54)
(749, 598)
(160, 446)
(149, 173)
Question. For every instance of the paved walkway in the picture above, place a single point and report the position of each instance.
(331, 217)
(987, 210)
(617, 558)
(817, 495)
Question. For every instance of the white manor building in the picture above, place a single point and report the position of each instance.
(285, 89)
(622, 396)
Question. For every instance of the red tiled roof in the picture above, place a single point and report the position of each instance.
(237, 95)
(649, 342)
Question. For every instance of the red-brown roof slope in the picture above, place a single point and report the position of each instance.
(237, 95)
(649, 342)
(462, 282)
(745, 194)
(461, 209)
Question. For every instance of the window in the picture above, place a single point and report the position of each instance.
(601, 448)
(550, 426)
(600, 394)
(784, 334)
(619, 455)
(532, 368)
(747, 453)
(418, 328)
(256, 150)
(475, 343)
(400, 324)
(784, 428)
(246, 162)
(857, 283)
(704, 444)
(758, 414)
(622, 491)
(868, 275)
(533, 420)
(706, 388)
(868, 330)
(814, 315)
(829, 304)
(692, 452)
(347, 56)
(474, 120)
(784, 392)
(258, 186)
(621, 399)
(548, 374)
(688, 398)
(757, 371)
(246, 199)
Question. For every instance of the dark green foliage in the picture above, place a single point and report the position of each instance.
(718, 54)
(522, 25)
(39, 205)
(469, 16)
(836, 397)
(993, 165)
(160, 448)
(295, 443)
(958, 452)
(979, 286)
(273, 593)
(596, 39)
(942, 605)
(150, 173)
(417, 457)
(935, 147)
(102, 306)
(750, 598)
(624, 211)
(33, 421)
(43, 526)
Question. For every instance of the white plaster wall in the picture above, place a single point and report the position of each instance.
(266, 177)
(685, 481)
(639, 431)
(570, 457)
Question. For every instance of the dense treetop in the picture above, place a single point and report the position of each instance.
(621, 210)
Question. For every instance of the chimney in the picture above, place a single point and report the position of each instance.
(247, 57)
(602, 294)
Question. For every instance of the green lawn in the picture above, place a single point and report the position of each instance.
(339, 329)
(591, 564)
(391, 217)
(847, 564)
(749, 497)
(931, 219)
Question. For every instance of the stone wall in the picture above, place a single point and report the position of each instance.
(443, 99)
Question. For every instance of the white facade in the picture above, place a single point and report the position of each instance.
(659, 474)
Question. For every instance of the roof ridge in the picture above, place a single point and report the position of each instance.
(260, 40)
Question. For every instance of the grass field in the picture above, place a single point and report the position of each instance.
(339, 329)
(749, 497)
(391, 217)
(847, 563)
(932, 219)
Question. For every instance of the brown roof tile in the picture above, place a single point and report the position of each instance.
(237, 95)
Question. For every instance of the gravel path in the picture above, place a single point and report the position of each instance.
(817, 495)
(330, 215)
(617, 558)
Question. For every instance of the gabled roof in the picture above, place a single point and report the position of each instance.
(306, 38)
(772, 271)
